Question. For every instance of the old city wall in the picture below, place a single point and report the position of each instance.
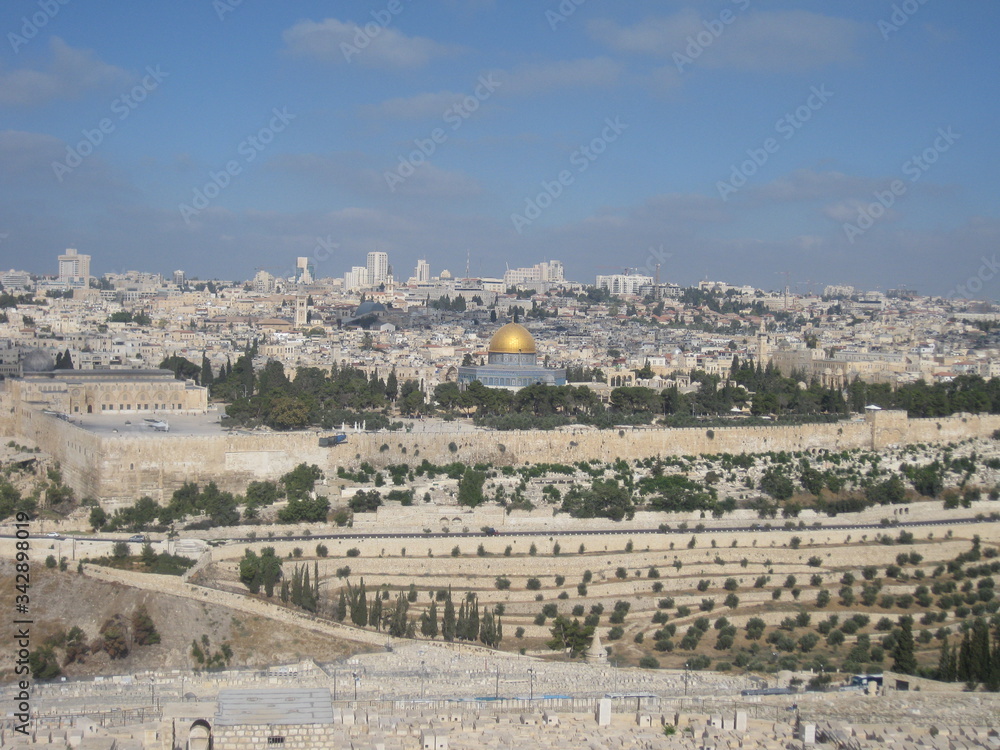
(126, 466)
(78, 451)
(156, 466)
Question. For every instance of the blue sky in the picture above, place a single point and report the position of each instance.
(731, 139)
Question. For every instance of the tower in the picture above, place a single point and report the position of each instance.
(301, 311)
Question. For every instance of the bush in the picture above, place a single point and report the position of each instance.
(321, 550)
(533, 584)
(455, 551)
(621, 573)
(353, 552)
(649, 662)
(502, 583)
(616, 633)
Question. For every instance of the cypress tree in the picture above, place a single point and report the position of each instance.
(341, 611)
(429, 621)
(981, 650)
(945, 670)
(375, 613)
(297, 587)
(472, 619)
(392, 386)
(448, 621)
(362, 606)
(904, 660)
(965, 668)
(463, 621)
(207, 378)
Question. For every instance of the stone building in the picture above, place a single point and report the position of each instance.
(75, 392)
(512, 363)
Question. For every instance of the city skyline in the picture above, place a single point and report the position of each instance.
(725, 140)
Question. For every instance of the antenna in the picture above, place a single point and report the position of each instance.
(468, 255)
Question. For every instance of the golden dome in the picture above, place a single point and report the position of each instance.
(512, 339)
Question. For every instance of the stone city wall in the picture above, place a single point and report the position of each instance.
(124, 467)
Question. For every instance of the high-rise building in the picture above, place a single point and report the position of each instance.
(423, 274)
(179, 278)
(303, 271)
(74, 268)
(624, 284)
(356, 278)
(549, 271)
(263, 282)
(15, 281)
(378, 267)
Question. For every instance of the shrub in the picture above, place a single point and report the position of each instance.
(533, 584)
(615, 633)
(502, 583)
(321, 550)
(621, 573)
(814, 562)
(649, 662)
(353, 552)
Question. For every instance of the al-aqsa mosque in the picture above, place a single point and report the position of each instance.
(512, 363)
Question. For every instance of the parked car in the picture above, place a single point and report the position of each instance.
(137, 538)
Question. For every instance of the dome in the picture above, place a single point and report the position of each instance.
(512, 339)
(369, 307)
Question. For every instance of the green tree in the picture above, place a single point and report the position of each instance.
(904, 659)
(470, 487)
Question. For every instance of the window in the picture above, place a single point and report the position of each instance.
(275, 740)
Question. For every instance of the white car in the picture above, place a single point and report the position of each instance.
(54, 535)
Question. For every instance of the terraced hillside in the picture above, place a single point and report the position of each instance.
(766, 599)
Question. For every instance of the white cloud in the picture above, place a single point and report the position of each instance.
(534, 78)
(418, 107)
(370, 45)
(790, 40)
(69, 74)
